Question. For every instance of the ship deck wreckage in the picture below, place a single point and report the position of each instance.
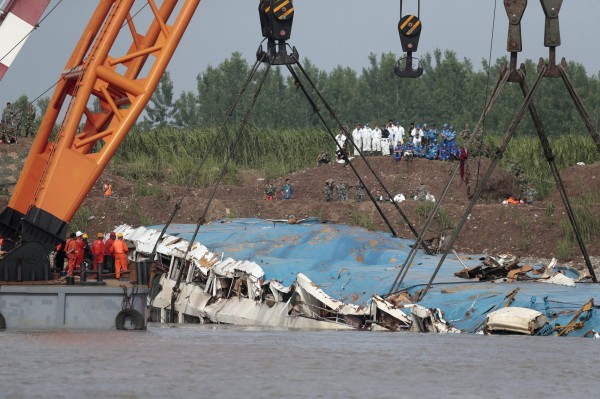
(314, 275)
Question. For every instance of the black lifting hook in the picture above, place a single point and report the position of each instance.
(409, 28)
(276, 18)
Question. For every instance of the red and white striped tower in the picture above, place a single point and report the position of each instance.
(18, 19)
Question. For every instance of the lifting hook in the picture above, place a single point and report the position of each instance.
(514, 10)
(409, 28)
(551, 35)
(276, 18)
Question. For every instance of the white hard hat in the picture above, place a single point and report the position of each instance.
(78, 233)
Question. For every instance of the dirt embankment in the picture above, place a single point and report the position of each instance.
(491, 227)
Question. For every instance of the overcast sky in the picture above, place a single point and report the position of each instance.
(328, 32)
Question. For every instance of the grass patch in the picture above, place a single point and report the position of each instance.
(525, 240)
(526, 150)
(81, 220)
(135, 216)
(565, 249)
(549, 210)
(142, 189)
(360, 219)
(549, 213)
(424, 209)
(589, 225)
(173, 155)
(445, 220)
(233, 213)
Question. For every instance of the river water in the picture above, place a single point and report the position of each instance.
(208, 361)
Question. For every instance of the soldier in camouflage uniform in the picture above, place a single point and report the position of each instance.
(466, 134)
(29, 120)
(329, 190)
(529, 194)
(270, 191)
(342, 191)
(7, 123)
(361, 191)
(421, 192)
(520, 176)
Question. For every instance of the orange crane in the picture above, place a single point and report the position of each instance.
(61, 169)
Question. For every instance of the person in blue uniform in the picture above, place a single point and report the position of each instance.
(451, 140)
(445, 136)
(408, 151)
(433, 134)
(432, 152)
(398, 151)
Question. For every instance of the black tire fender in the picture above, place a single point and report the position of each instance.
(136, 320)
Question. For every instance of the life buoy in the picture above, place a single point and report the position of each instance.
(2, 323)
(130, 319)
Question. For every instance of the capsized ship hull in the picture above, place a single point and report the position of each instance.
(328, 276)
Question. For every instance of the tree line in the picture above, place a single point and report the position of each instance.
(450, 91)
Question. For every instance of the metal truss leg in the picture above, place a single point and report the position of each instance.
(541, 132)
(499, 153)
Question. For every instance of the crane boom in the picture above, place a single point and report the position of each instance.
(60, 172)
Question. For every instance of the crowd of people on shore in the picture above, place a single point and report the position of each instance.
(394, 140)
(16, 121)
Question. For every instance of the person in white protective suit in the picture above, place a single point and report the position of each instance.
(417, 135)
(398, 133)
(376, 140)
(399, 198)
(356, 137)
(367, 139)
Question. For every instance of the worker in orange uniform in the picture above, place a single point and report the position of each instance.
(72, 250)
(98, 252)
(107, 190)
(119, 251)
(109, 259)
(80, 248)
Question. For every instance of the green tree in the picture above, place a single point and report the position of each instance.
(160, 110)
(219, 87)
(187, 110)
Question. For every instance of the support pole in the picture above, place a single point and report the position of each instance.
(541, 132)
(349, 137)
(499, 153)
(232, 109)
(585, 116)
(202, 218)
(316, 110)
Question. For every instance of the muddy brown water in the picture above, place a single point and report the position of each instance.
(232, 362)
